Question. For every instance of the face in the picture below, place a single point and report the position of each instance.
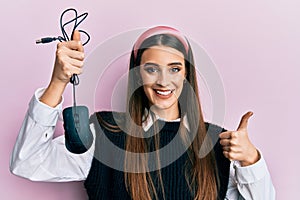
(163, 72)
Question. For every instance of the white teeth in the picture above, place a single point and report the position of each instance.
(163, 92)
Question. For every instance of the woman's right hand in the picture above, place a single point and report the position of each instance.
(69, 61)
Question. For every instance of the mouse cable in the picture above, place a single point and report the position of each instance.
(65, 37)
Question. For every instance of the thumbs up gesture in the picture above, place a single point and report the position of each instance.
(236, 144)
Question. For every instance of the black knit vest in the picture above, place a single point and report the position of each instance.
(104, 182)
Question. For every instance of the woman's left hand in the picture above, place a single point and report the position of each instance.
(237, 145)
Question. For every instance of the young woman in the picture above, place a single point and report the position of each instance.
(163, 106)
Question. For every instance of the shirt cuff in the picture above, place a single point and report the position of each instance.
(252, 173)
(42, 113)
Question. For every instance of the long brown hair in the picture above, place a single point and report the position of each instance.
(201, 176)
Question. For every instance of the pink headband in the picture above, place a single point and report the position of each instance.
(160, 30)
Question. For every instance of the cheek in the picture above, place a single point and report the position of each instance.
(178, 81)
(147, 79)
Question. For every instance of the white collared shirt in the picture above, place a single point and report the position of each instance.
(38, 157)
(149, 121)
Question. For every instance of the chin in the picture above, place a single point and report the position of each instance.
(164, 106)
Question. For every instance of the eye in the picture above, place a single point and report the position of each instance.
(175, 69)
(151, 68)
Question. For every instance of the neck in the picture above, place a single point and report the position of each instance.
(167, 114)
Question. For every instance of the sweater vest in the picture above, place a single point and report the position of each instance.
(106, 181)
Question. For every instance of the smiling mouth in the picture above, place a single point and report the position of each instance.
(164, 92)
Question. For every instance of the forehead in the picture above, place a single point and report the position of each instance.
(162, 55)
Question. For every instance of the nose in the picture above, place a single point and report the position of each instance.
(163, 79)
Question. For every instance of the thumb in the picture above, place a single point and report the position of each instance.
(76, 35)
(244, 121)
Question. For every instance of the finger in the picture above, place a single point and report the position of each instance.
(76, 37)
(75, 62)
(225, 142)
(226, 148)
(231, 154)
(225, 135)
(75, 54)
(73, 45)
(69, 70)
(234, 150)
(76, 70)
(244, 121)
(227, 155)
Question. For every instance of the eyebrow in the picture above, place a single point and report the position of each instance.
(157, 65)
(175, 63)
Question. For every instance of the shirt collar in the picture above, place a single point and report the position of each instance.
(149, 121)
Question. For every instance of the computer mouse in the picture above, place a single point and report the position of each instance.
(78, 136)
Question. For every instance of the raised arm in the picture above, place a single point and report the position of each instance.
(36, 155)
(249, 175)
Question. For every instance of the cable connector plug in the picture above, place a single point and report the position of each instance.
(45, 40)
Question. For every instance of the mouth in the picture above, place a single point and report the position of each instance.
(164, 93)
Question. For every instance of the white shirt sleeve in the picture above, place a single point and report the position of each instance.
(40, 157)
(252, 182)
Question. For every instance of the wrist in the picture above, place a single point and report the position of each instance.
(251, 159)
(53, 93)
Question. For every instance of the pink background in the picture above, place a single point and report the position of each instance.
(254, 44)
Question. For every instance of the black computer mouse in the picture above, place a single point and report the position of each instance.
(78, 136)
